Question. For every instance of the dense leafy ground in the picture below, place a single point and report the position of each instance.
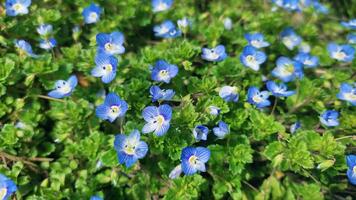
(59, 149)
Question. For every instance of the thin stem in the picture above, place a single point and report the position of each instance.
(251, 186)
(350, 136)
(50, 98)
(274, 105)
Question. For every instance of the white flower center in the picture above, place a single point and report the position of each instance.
(287, 70)
(108, 68)
(257, 98)
(114, 109)
(17, 7)
(65, 88)
(256, 43)
(163, 74)
(340, 55)
(308, 62)
(93, 16)
(193, 160)
(129, 149)
(3, 192)
(161, 6)
(109, 47)
(163, 30)
(351, 96)
(251, 59)
(159, 120)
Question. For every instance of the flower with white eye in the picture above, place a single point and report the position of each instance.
(64, 88)
(194, 159)
(112, 108)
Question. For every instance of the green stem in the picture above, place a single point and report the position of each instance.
(274, 105)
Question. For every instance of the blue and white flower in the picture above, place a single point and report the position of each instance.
(351, 171)
(161, 5)
(183, 23)
(252, 58)
(344, 53)
(112, 108)
(351, 38)
(200, 132)
(347, 93)
(106, 67)
(176, 172)
(159, 94)
(256, 40)
(130, 148)
(44, 29)
(294, 127)
(157, 118)
(320, 8)
(7, 187)
(91, 13)
(48, 44)
(194, 159)
(215, 54)
(287, 69)
(166, 30)
(290, 39)
(228, 23)
(330, 118)
(17, 7)
(350, 24)
(229, 93)
(307, 60)
(279, 90)
(64, 88)
(110, 44)
(25, 48)
(221, 130)
(258, 98)
(163, 71)
(304, 48)
(213, 110)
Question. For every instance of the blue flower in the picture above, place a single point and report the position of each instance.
(176, 172)
(48, 44)
(112, 108)
(348, 93)
(17, 7)
(228, 23)
(129, 148)
(95, 198)
(216, 54)
(64, 88)
(252, 58)
(229, 93)
(330, 118)
(163, 71)
(287, 69)
(166, 30)
(161, 95)
(256, 40)
(351, 171)
(7, 187)
(200, 132)
(294, 127)
(105, 68)
(44, 29)
(221, 130)
(194, 159)
(213, 110)
(184, 23)
(307, 60)
(290, 39)
(25, 48)
(279, 90)
(110, 44)
(344, 53)
(161, 5)
(157, 118)
(91, 14)
(351, 38)
(350, 24)
(320, 7)
(304, 48)
(255, 97)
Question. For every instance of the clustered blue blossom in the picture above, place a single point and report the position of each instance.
(7, 187)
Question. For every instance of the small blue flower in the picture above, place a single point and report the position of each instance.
(161, 95)
(213, 110)
(200, 132)
(256, 40)
(320, 8)
(350, 24)
(258, 98)
(163, 71)
(161, 5)
(194, 159)
(351, 38)
(64, 88)
(112, 108)
(25, 48)
(7, 187)
(348, 93)
(166, 30)
(287, 69)
(307, 60)
(294, 127)
(176, 172)
(157, 118)
(330, 118)
(110, 44)
(48, 44)
(351, 171)
(183, 23)
(216, 54)
(290, 39)
(91, 14)
(95, 198)
(228, 23)
(129, 148)
(304, 48)
(252, 58)
(229, 93)
(44, 29)
(279, 90)
(344, 53)
(106, 67)
(292, 5)
(17, 7)
(221, 130)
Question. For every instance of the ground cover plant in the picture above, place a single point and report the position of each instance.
(163, 99)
